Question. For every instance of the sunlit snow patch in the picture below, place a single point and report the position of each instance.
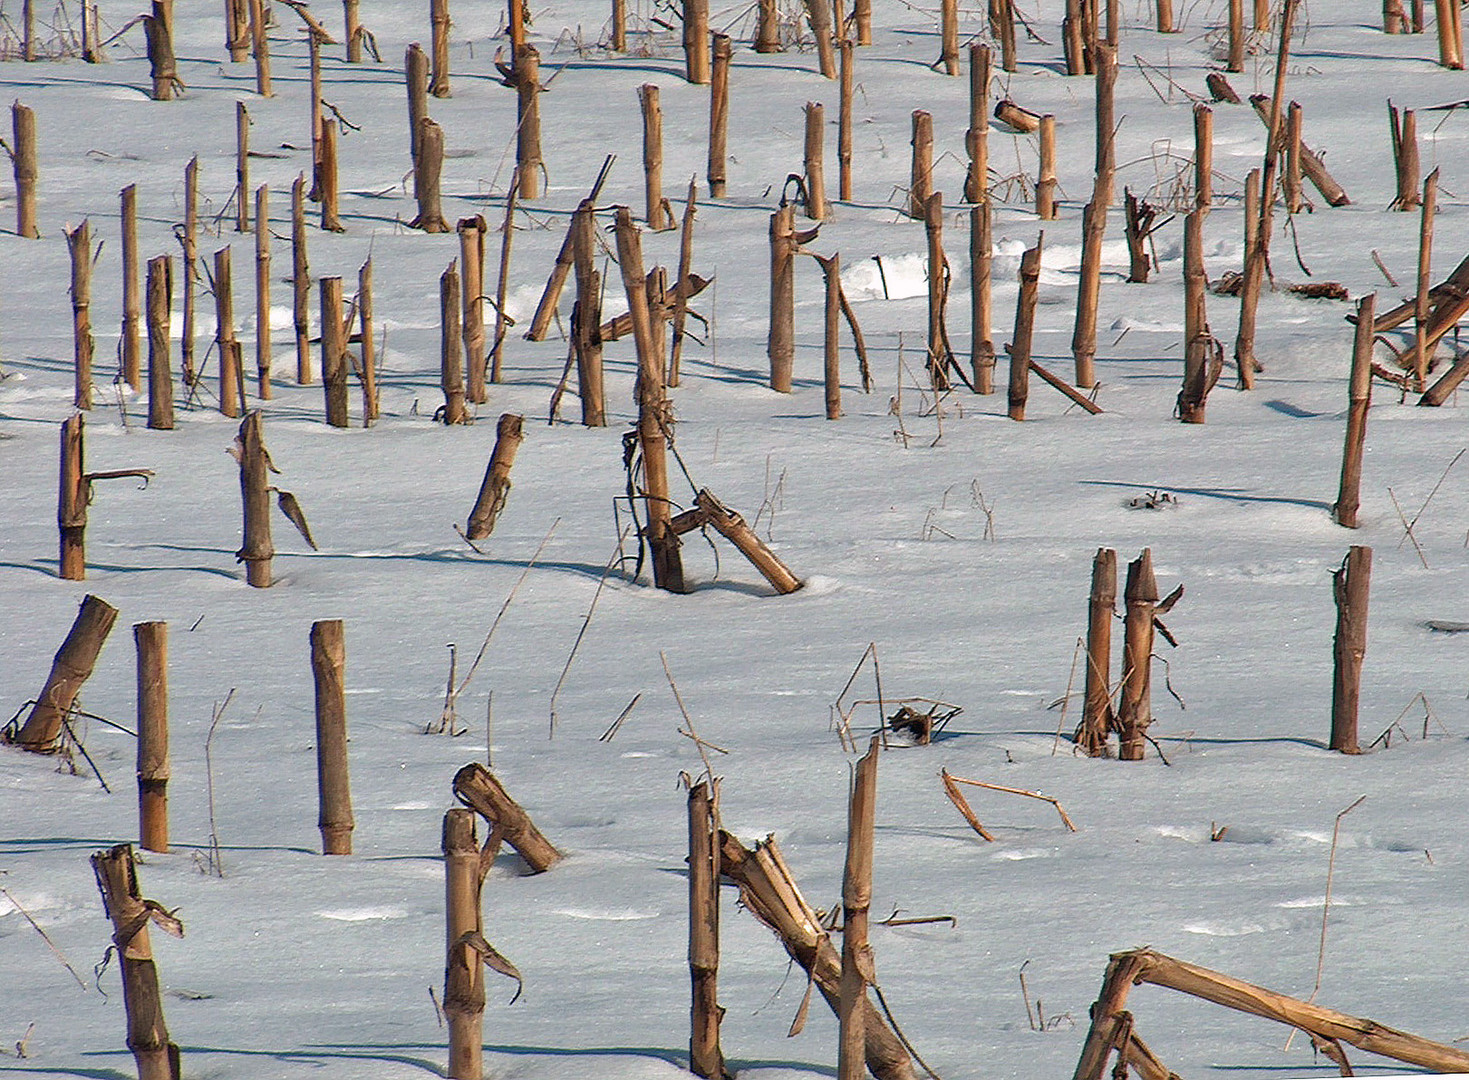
(1316, 902)
(1193, 833)
(1017, 854)
(1219, 929)
(1150, 326)
(607, 914)
(363, 914)
(1060, 263)
(10, 905)
(890, 277)
(819, 585)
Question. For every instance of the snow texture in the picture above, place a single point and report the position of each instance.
(296, 965)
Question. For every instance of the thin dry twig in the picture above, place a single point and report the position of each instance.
(1442, 477)
(1065, 819)
(938, 715)
(1326, 902)
(1407, 529)
(1428, 715)
(449, 716)
(1065, 701)
(689, 732)
(898, 1031)
(586, 622)
(503, 607)
(956, 796)
(611, 732)
(214, 863)
(844, 727)
(774, 500)
(1143, 67)
(44, 937)
(1376, 258)
(919, 920)
(1025, 996)
(71, 738)
(1386, 737)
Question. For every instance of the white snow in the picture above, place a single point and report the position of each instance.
(296, 965)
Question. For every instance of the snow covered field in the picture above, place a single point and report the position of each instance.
(295, 965)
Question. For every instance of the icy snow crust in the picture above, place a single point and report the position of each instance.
(296, 965)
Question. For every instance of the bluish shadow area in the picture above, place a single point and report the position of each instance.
(44, 567)
(50, 568)
(19, 845)
(439, 555)
(1301, 1071)
(1287, 409)
(748, 588)
(385, 1054)
(28, 420)
(23, 844)
(1238, 496)
(415, 1055)
(1299, 57)
(1179, 740)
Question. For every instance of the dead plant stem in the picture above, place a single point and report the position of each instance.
(44, 937)
(586, 622)
(503, 607)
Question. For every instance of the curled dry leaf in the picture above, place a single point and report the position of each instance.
(148, 911)
(798, 1025)
(292, 509)
(493, 960)
(165, 920)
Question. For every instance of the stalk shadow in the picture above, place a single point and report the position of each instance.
(1235, 495)
(1325, 1070)
(50, 568)
(22, 845)
(441, 555)
(1286, 408)
(40, 566)
(676, 1057)
(42, 421)
(19, 845)
(1179, 740)
(432, 1068)
(747, 588)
